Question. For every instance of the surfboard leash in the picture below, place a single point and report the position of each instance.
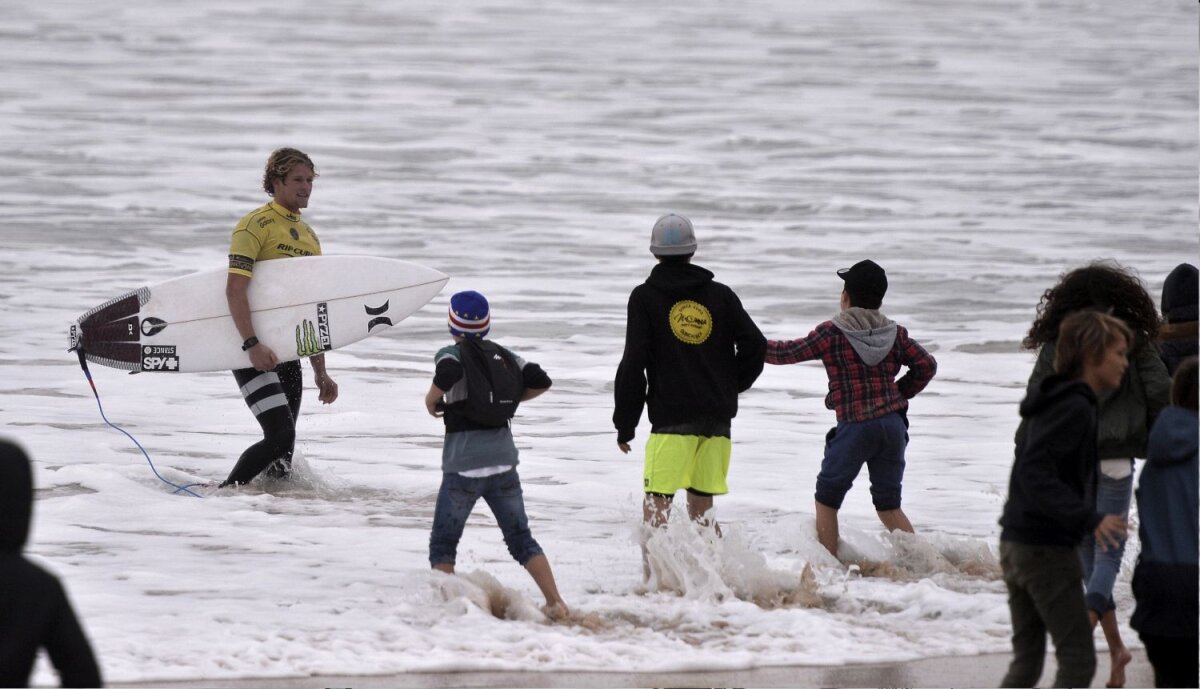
(88, 374)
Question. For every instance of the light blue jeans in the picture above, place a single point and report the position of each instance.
(1100, 567)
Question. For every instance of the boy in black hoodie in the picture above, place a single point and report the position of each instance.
(34, 610)
(1051, 503)
(690, 348)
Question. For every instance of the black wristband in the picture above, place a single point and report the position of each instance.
(250, 342)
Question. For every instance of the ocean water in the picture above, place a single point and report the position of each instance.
(975, 149)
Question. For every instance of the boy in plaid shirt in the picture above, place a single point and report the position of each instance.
(862, 351)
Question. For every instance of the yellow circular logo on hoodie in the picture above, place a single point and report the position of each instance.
(691, 322)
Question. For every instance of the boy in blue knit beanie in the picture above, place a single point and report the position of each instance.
(479, 457)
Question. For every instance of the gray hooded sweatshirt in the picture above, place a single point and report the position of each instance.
(871, 334)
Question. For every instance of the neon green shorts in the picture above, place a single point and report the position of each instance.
(686, 461)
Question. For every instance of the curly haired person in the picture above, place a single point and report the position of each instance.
(1126, 414)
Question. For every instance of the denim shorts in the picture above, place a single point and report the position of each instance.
(878, 443)
(456, 498)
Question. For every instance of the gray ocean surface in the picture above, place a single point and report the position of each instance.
(977, 149)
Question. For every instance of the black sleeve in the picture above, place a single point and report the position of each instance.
(750, 344)
(1054, 441)
(448, 372)
(68, 647)
(534, 378)
(629, 388)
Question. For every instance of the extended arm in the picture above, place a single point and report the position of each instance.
(794, 351)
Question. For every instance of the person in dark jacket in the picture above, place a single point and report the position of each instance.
(863, 351)
(1050, 506)
(1126, 415)
(1177, 340)
(34, 610)
(1164, 579)
(690, 349)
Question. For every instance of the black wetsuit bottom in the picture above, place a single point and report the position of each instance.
(274, 398)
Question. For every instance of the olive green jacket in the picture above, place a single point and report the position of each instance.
(1126, 414)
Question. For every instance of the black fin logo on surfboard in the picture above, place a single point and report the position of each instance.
(378, 311)
(152, 326)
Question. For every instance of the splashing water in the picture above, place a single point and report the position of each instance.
(908, 556)
(485, 592)
(696, 563)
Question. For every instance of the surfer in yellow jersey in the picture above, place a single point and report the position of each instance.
(273, 390)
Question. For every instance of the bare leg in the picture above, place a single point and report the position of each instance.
(539, 568)
(827, 528)
(698, 507)
(656, 510)
(895, 519)
(1120, 655)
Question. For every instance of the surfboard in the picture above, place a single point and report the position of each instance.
(299, 307)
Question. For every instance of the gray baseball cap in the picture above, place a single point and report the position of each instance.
(672, 236)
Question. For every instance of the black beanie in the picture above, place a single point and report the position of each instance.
(1180, 294)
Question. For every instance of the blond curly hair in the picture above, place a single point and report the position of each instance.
(280, 163)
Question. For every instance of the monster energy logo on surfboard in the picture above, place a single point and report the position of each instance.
(314, 339)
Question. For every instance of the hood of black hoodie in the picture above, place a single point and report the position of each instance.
(1051, 390)
(16, 497)
(678, 278)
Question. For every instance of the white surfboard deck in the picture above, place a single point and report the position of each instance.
(299, 307)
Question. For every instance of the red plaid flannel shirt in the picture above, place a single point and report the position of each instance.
(858, 392)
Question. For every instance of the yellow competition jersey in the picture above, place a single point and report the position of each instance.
(270, 232)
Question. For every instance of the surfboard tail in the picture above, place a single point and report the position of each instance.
(108, 334)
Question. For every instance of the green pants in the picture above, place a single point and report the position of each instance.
(1045, 594)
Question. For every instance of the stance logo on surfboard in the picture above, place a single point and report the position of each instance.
(160, 358)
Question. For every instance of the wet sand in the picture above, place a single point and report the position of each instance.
(958, 671)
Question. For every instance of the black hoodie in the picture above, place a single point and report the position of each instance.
(34, 610)
(1051, 493)
(690, 348)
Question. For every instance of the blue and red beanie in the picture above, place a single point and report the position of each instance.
(469, 315)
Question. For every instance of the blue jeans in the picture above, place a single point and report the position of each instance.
(1100, 567)
(878, 443)
(458, 496)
